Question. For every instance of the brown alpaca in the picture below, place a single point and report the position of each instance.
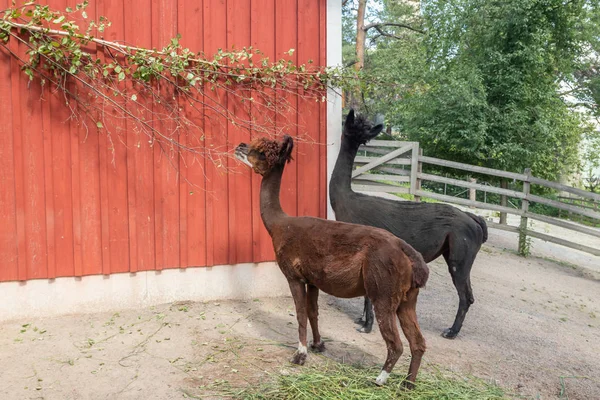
(344, 260)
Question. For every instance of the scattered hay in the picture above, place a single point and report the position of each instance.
(333, 380)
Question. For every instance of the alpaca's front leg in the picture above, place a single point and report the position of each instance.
(312, 305)
(299, 294)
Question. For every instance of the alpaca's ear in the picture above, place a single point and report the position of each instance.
(287, 145)
(350, 118)
(376, 130)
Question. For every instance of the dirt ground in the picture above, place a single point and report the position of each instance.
(534, 329)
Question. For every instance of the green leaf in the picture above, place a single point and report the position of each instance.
(29, 73)
(121, 76)
(84, 15)
(73, 70)
(59, 20)
(99, 125)
(133, 97)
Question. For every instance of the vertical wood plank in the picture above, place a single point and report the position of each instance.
(166, 158)
(59, 116)
(263, 38)
(310, 125)
(9, 257)
(133, 143)
(45, 118)
(286, 39)
(323, 114)
(89, 175)
(48, 133)
(114, 160)
(140, 160)
(103, 160)
(215, 126)
(16, 85)
(71, 127)
(240, 181)
(33, 177)
(193, 183)
(183, 184)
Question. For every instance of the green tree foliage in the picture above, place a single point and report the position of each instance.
(492, 83)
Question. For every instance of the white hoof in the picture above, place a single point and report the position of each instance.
(302, 349)
(382, 378)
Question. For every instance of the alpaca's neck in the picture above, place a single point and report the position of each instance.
(342, 172)
(270, 207)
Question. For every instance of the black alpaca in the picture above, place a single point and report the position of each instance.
(432, 229)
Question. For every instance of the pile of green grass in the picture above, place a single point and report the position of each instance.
(338, 381)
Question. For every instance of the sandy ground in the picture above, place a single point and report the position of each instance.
(534, 329)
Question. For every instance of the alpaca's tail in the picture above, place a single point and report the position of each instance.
(481, 222)
(420, 273)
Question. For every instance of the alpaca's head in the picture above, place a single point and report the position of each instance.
(264, 154)
(358, 130)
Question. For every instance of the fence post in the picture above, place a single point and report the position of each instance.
(524, 246)
(503, 201)
(418, 182)
(414, 167)
(472, 191)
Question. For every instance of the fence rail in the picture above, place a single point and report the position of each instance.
(387, 172)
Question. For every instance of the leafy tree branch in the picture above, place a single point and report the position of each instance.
(379, 25)
(164, 93)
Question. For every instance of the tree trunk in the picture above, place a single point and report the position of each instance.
(360, 48)
(360, 35)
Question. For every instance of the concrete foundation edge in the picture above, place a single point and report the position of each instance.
(101, 293)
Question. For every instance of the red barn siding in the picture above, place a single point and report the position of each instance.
(75, 201)
(9, 238)
(239, 181)
(263, 37)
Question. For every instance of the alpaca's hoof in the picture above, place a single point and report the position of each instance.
(408, 385)
(318, 348)
(299, 358)
(365, 329)
(449, 333)
(360, 321)
(382, 378)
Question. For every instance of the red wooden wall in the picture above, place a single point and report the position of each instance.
(69, 206)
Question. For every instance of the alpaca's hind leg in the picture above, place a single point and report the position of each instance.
(298, 290)
(312, 307)
(386, 317)
(407, 314)
(460, 271)
(367, 323)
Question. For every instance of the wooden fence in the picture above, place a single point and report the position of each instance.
(382, 166)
